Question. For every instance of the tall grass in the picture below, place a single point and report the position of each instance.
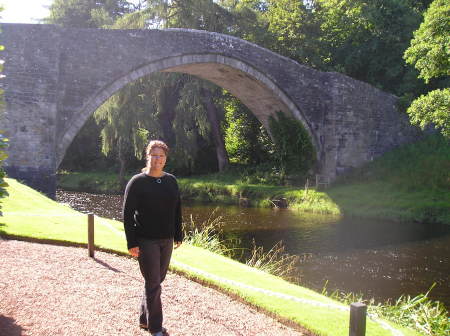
(208, 235)
(275, 261)
(419, 312)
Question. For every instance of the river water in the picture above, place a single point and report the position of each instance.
(379, 259)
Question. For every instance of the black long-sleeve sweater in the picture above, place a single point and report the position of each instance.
(152, 209)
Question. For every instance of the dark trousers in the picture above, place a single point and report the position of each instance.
(154, 259)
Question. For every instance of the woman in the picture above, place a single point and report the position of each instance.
(152, 221)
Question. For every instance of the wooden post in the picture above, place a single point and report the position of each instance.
(358, 312)
(91, 235)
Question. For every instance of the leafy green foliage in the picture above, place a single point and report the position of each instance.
(294, 31)
(87, 13)
(183, 107)
(430, 54)
(366, 40)
(430, 48)
(294, 149)
(432, 109)
(246, 141)
(126, 132)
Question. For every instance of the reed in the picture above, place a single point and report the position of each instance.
(275, 261)
(419, 312)
(207, 235)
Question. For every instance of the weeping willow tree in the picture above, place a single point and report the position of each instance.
(183, 107)
(125, 132)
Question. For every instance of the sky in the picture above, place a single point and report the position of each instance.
(24, 11)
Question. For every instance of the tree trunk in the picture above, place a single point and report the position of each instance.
(212, 113)
(123, 166)
(169, 97)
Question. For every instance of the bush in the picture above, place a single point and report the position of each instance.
(294, 148)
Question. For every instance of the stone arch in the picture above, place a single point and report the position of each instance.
(56, 77)
(255, 89)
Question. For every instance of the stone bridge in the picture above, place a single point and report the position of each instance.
(57, 77)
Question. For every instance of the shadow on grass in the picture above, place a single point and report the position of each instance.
(8, 327)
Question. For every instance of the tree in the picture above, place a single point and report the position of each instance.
(294, 148)
(126, 132)
(430, 48)
(295, 30)
(432, 109)
(430, 54)
(88, 13)
(185, 105)
(366, 40)
(245, 138)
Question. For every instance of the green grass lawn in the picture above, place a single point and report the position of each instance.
(29, 214)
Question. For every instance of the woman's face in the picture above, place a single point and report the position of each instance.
(156, 158)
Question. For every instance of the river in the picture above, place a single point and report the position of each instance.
(379, 259)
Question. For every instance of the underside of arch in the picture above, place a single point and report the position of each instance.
(257, 91)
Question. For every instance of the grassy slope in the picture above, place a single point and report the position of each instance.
(29, 214)
(410, 183)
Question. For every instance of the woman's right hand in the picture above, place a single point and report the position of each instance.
(134, 251)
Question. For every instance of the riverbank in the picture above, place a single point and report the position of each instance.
(30, 215)
(411, 183)
(221, 188)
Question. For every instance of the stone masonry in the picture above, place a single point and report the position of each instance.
(57, 77)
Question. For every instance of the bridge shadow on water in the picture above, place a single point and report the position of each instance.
(8, 327)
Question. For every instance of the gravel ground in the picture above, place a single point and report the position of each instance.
(56, 290)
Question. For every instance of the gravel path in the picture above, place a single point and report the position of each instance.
(55, 290)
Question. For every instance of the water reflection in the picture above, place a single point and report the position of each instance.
(312, 233)
(378, 258)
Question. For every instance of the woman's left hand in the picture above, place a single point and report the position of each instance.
(177, 244)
